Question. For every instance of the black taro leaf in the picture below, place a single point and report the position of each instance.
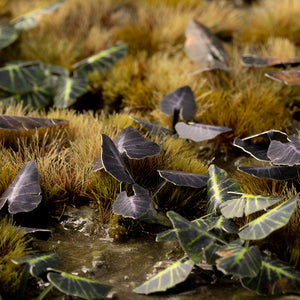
(274, 219)
(221, 223)
(184, 178)
(23, 195)
(132, 206)
(31, 19)
(78, 286)
(113, 162)
(135, 145)
(199, 132)
(219, 185)
(21, 77)
(101, 61)
(171, 276)
(193, 238)
(69, 89)
(153, 128)
(256, 151)
(261, 62)
(203, 47)
(272, 172)
(8, 34)
(22, 123)
(183, 100)
(38, 263)
(274, 278)
(239, 261)
(291, 77)
(246, 204)
(285, 154)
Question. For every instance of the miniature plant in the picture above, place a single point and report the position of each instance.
(282, 152)
(225, 248)
(41, 266)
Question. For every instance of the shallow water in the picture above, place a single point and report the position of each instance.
(125, 265)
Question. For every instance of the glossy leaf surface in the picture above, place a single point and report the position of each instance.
(246, 204)
(184, 178)
(182, 100)
(221, 223)
(69, 89)
(274, 219)
(132, 206)
(193, 238)
(199, 132)
(285, 153)
(78, 286)
(274, 278)
(171, 276)
(135, 145)
(219, 185)
(113, 162)
(23, 195)
(239, 261)
(101, 61)
(272, 172)
(8, 34)
(38, 263)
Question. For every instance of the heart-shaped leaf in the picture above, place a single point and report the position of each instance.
(184, 178)
(203, 47)
(23, 195)
(219, 185)
(135, 145)
(38, 263)
(113, 162)
(199, 132)
(171, 276)
(264, 225)
(285, 153)
(181, 100)
(132, 206)
(246, 204)
(239, 261)
(274, 278)
(78, 286)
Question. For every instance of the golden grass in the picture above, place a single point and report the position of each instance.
(13, 243)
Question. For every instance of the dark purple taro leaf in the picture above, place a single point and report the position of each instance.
(132, 206)
(153, 128)
(256, 151)
(135, 145)
(184, 179)
(202, 46)
(182, 100)
(113, 162)
(199, 132)
(262, 62)
(285, 153)
(22, 123)
(23, 195)
(291, 77)
(272, 172)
